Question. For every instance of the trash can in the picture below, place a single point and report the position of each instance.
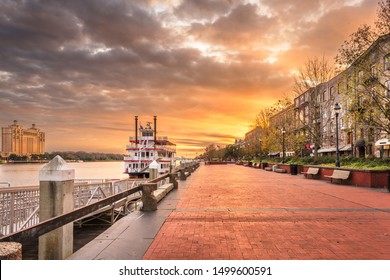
(294, 169)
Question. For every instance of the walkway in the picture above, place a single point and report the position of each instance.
(236, 212)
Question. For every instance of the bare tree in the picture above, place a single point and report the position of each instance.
(315, 71)
(382, 22)
(364, 37)
(307, 87)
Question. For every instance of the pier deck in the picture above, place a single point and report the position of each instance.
(235, 212)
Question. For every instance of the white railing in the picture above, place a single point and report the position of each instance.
(19, 207)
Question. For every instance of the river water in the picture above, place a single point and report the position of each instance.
(18, 175)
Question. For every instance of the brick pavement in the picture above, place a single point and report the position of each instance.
(233, 212)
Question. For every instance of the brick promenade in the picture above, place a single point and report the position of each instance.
(235, 212)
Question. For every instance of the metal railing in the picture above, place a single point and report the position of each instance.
(19, 207)
(19, 210)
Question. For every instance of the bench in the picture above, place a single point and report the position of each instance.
(280, 170)
(311, 171)
(162, 191)
(338, 175)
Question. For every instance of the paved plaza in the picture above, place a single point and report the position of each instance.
(232, 212)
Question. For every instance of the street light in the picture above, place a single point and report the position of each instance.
(337, 109)
(283, 133)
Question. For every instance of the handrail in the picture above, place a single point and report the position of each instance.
(61, 220)
(99, 197)
(20, 205)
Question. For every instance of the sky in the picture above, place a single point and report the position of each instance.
(81, 70)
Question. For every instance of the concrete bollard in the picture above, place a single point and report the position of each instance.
(183, 176)
(172, 180)
(149, 201)
(153, 170)
(10, 251)
(56, 198)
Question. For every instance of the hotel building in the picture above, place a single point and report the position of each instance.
(22, 142)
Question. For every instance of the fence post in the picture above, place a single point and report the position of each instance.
(172, 180)
(153, 170)
(149, 201)
(56, 183)
(183, 176)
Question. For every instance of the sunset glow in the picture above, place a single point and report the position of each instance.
(81, 70)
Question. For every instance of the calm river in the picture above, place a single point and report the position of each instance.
(18, 175)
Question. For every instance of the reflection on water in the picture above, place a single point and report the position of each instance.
(18, 175)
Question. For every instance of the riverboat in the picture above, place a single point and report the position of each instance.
(145, 149)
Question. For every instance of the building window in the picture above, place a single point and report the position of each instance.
(360, 76)
(374, 71)
(333, 92)
(387, 62)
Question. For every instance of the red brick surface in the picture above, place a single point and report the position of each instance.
(235, 212)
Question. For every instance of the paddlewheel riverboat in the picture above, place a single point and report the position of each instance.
(145, 148)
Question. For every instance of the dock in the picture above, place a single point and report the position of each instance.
(231, 212)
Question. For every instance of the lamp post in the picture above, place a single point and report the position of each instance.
(337, 109)
(283, 133)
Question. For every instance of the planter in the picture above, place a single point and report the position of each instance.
(293, 169)
(357, 177)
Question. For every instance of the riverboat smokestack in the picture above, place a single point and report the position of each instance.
(155, 129)
(136, 131)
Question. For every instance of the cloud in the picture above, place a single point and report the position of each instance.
(81, 70)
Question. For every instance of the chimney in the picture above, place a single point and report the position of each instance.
(155, 129)
(136, 131)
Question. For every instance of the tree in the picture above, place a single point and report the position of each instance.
(382, 22)
(309, 87)
(271, 135)
(315, 71)
(366, 93)
(365, 36)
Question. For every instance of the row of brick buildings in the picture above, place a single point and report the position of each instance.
(22, 142)
(363, 93)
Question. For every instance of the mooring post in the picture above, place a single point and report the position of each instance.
(183, 176)
(56, 198)
(153, 170)
(149, 201)
(172, 180)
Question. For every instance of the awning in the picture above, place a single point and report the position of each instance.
(382, 142)
(346, 148)
(327, 150)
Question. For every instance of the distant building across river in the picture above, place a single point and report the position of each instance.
(22, 142)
